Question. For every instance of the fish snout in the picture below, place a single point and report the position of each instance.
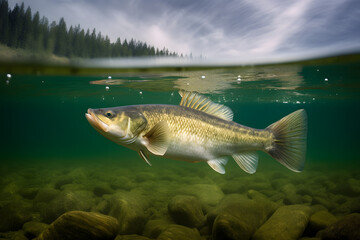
(95, 121)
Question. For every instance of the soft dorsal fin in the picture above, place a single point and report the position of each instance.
(196, 101)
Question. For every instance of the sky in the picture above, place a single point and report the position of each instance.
(214, 28)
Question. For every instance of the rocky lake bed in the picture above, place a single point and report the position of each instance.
(176, 201)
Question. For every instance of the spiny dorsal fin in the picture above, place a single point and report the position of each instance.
(158, 138)
(196, 101)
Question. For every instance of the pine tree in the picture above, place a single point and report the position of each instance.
(4, 22)
(19, 29)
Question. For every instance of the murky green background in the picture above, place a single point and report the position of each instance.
(52, 161)
(42, 116)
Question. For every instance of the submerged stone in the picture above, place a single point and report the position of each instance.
(178, 232)
(321, 220)
(81, 225)
(131, 237)
(102, 189)
(129, 209)
(153, 228)
(13, 215)
(67, 201)
(345, 228)
(288, 222)
(186, 210)
(238, 217)
(33, 229)
(206, 193)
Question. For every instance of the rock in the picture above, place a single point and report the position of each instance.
(67, 201)
(291, 197)
(186, 210)
(33, 229)
(232, 186)
(153, 228)
(178, 232)
(288, 222)
(325, 202)
(63, 180)
(129, 209)
(351, 205)
(122, 182)
(354, 185)
(46, 194)
(81, 226)
(102, 189)
(19, 235)
(310, 238)
(13, 215)
(237, 217)
(321, 220)
(131, 237)
(345, 228)
(206, 193)
(102, 207)
(29, 193)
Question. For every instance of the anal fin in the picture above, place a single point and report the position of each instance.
(218, 164)
(248, 161)
(144, 157)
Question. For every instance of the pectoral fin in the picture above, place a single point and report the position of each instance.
(247, 161)
(144, 157)
(158, 139)
(218, 164)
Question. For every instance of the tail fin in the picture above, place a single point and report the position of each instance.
(290, 140)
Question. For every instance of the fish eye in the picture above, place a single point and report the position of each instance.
(109, 114)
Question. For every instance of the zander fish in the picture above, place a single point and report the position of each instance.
(199, 130)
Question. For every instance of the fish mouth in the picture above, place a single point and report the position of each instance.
(95, 121)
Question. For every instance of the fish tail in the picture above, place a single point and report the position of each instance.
(289, 146)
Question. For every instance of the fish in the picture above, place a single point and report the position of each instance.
(200, 130)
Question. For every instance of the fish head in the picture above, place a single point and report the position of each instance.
(120, 124)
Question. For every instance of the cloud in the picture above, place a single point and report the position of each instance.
(232, 28)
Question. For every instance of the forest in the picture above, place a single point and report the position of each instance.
(19, 28)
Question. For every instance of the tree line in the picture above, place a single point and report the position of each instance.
(20, 29)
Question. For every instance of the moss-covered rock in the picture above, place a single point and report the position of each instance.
(321, 220)
(288, 222)
(129, 209)
(81, 225)
(131, 237)
(238, 217)
(67, 201)
(178, 232)
(153, 228)
(206, 193)
(33, 229)
(345, 228)
(186, 211)
(13, 215)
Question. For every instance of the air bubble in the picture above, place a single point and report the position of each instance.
(140, 92)
(107, 88)
(109, 77)
(203, 76)
(8, 75)
(326, 79)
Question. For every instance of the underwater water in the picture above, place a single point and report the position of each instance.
(53, 162)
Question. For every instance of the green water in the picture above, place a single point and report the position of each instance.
(45, 135)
